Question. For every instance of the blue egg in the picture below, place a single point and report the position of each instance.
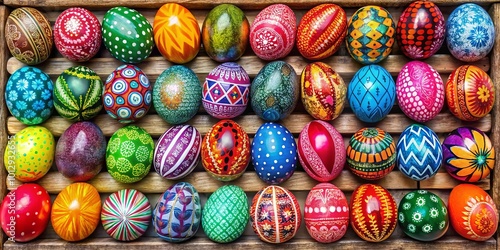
(419, 152)
(28, 95)
(371, 93)
(274, 153)
(470, 33)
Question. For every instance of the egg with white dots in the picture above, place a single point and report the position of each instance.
(274, 153)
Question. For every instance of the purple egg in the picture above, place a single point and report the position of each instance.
(80, 151)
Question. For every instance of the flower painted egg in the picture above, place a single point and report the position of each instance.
(321, 31)
(224, 33)
(323, 91)
(80, 151)
(177, 152)
(274, 91)
(127, 34)
(127, 94)
(177, 94)
(473, 213)
(25, 212)
(423, 215)
(129, 154)
(176, 33)
(326, 213)
(274, 153)
(371, 153)
(420, 91)
(470, 33)
(470, 93)
(30, 153)
(272, 33)
(28, 34)
(468, 154)
(275, 214)
(225, 91)
(77, 94)
(177, 214)
(371, 93)
(420, 31)
(28, 95)
(76, 211)
(225, 150)
(126, 214)
(321, 151)
(370, 34)
(419, 153)
(225, 214)
(77, 34)
(373, 212)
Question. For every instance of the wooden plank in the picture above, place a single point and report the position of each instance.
(443, 180)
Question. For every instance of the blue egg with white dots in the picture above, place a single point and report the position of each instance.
(274, 153)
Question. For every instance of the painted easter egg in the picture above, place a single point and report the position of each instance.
(224, 33)
(272, 33)
(126, 214)
(225, 91)
(326, 213)
(127, 94)
(321, 31)
(470, 93)
(321, 151)
(28, 95)
(274, 153)
(419, 152)
(76, 211)
(373, 212)
(77, 94)
(420, 31)
(420, 91)
(468, 154)
(127, 34)
(470, 33)
(177, 94)
(25, 212)
(275, 214)
(77, 34)
(473, 213)
(274, 91)
(225, 214)
(371, 153)
(30, 153)
(129, 154)
(177, 152)
(370, 34)
(323, 91)
(225, 150)
(371, 93)
(28, 34)
(177, 214)
(176, 33)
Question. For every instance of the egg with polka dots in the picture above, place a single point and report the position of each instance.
(127, 34)
(274, 153)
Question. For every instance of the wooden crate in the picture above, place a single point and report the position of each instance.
(300, 183)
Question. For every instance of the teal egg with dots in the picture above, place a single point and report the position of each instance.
(127, 34)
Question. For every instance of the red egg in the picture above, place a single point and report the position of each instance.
(326, 213)
(373, 212)
(321, 31)
(25, 212)
(321, 151)
(272, 34)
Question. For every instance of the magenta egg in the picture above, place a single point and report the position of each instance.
(420, 91)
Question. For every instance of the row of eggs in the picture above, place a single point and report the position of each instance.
(275, 213)
(369, 35)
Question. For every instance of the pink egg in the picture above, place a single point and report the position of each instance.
(420, 91)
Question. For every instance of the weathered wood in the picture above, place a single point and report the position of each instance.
(443, 180)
